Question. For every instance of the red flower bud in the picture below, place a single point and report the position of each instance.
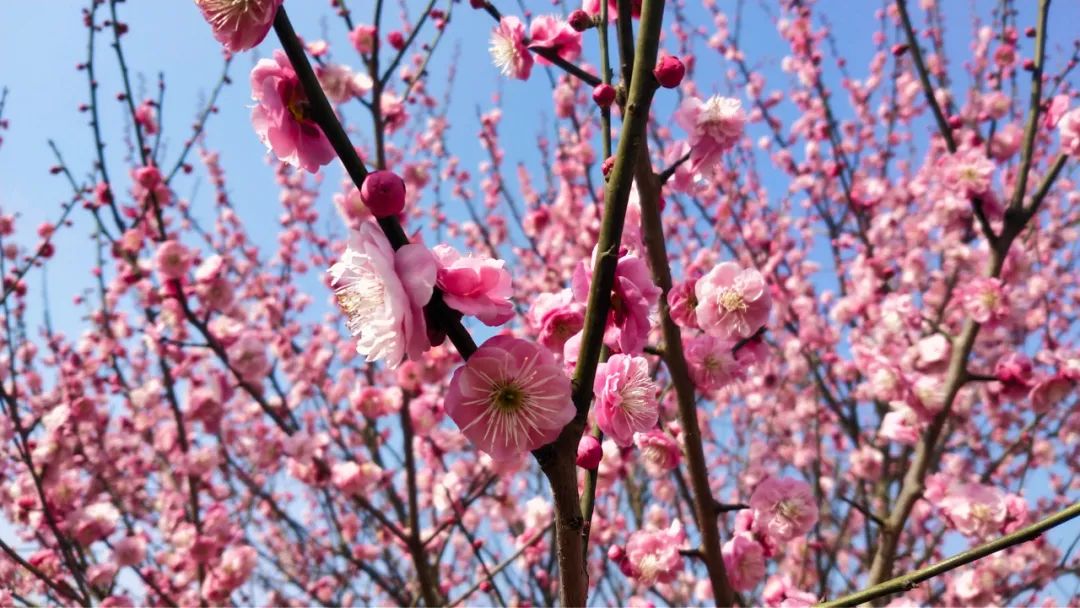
(580, 20)
(589, 453)
(606, 166)
(396, 40)
(603, 95)
(669, 72)
(384, 193)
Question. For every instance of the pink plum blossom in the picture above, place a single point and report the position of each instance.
(248, 357)
(682, 300)
(130, 550)
(866, 462)
(652, 556)
(901, 424)
(625, 398)
(171, 260)
(784, 508)
(236, 565)
(714, 127)
(363, 37)
(633, 296)
(968, 172)
(712, 366)
(474, 285)
(509, 397)
(341, 84)
(974, 586)
(984, 300)
(1050, 391)
(382, 293)
(355, 478)
(146, 117)
(508, 49)
(556, 317)
(733, 302)
(282, 115)
(975, 510)
(660, 452)
(553, 34)
(744, 561)
(95, 522)
(1069, 128)
(239, 24)
(781, 592)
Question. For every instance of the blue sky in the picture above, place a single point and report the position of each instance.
(42, 42)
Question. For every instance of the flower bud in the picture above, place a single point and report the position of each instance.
(615, 553)
(669, 71)
(396, 40)
(606, 166)
(384, 193)
(580, 20)
(603, 95)
(589, 452)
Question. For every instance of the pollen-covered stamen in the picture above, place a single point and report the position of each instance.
(712, 364)
(362, 300)
(731, 300)
(649, 567)
(720, 117)
(230, 14)
(507, 398)
(654, 455)
(504, 54)
(789, 509)
(297, 104)
(970, 174)
(636, 396)
(989, 299)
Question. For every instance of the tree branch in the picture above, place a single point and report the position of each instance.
(909, 581)
(323, 114)
(704, 503)
(924, 76)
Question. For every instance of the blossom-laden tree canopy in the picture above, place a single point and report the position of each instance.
(730, 335)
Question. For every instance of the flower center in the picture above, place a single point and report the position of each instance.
(228, 13)
(691, 301)
(969, 174)
(298, 105)
(361, 300)
(788, 509)
(636, 394)
(503, 53)
(712, 364)
(654, 455)
(732, 300)
(649, 566)
(507, 398)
